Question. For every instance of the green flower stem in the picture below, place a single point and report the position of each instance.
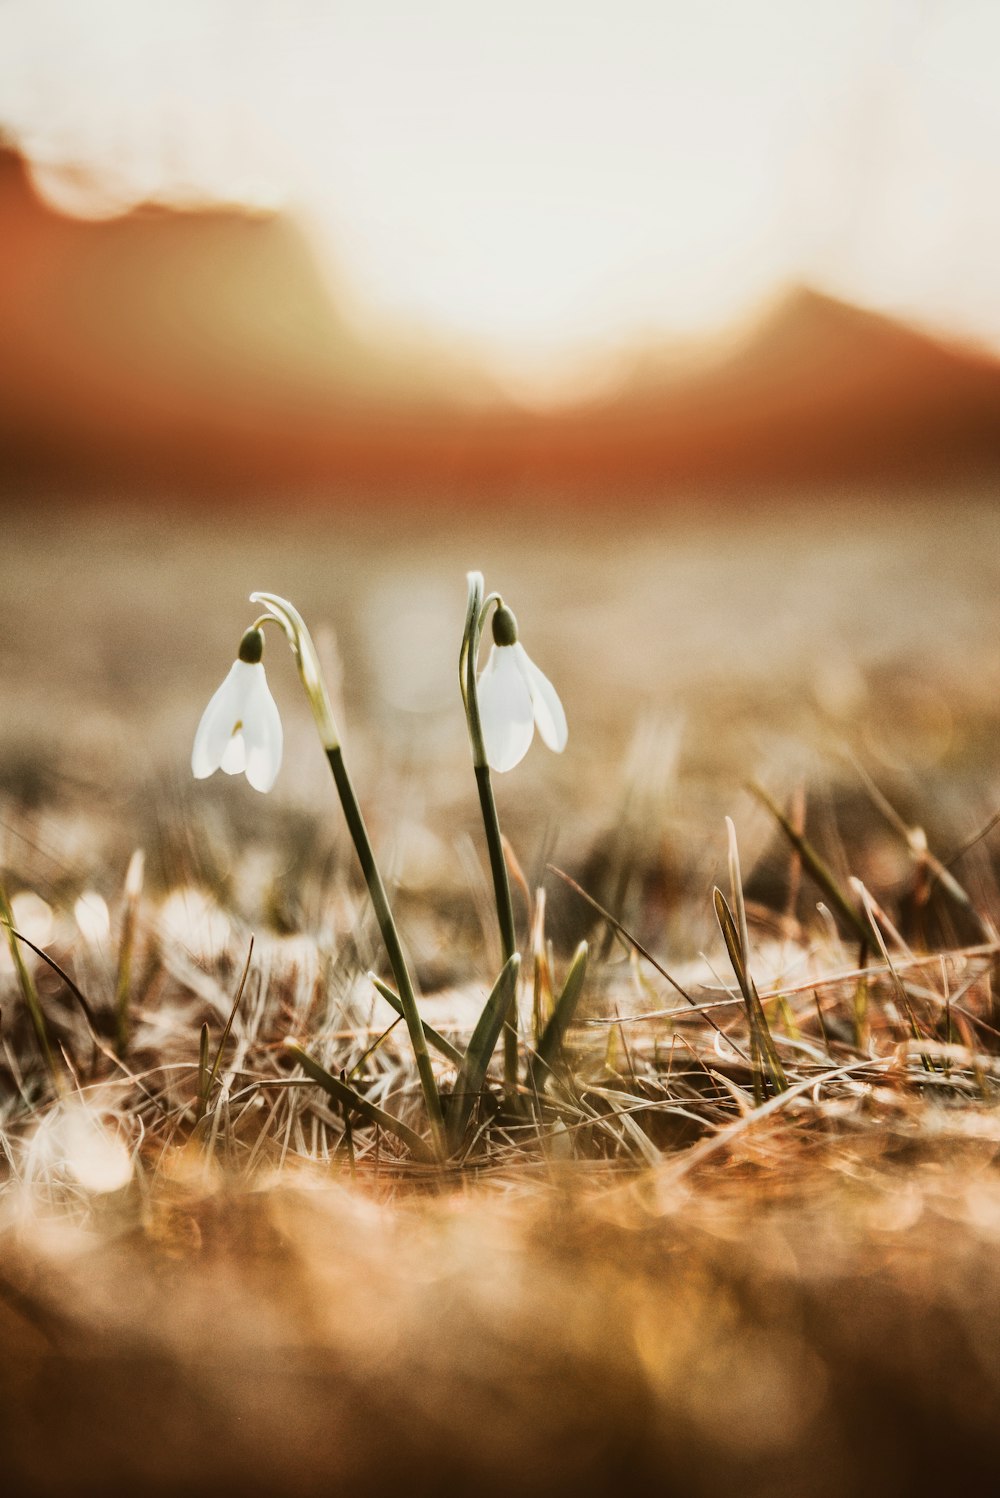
(498, 864)
(390, 936)
(311, 676)
(491, 823)
(505, 915)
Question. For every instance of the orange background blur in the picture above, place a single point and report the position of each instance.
(309, 248)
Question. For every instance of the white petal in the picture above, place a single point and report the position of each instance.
(218, 720)
(234, 758)
(262, 735)
(505, 709)
(549, 713)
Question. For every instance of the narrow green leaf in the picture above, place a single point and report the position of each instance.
(555, 1031)
(472, 1072)
(772, 1060)
(342, 1093)
(27, 985)
(730, 936)
(820, 871)
(634, 943)
(60, 972)
(433, 1038)
(761, 1041)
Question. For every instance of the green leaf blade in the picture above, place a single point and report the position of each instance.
(475, 1063)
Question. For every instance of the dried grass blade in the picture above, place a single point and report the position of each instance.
(634, 942)
(901, 994)
(229, 1022)
(126, 945)
(541, 993)
(346, 1095)
(203, 1082)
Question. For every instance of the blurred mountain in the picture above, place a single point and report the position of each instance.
(190, 345)
(816, 390)
(206, 349)
(819, 385)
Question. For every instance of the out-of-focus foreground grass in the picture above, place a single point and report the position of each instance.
(649, 1279)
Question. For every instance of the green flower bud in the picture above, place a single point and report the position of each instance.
(504, 626)
(252, 647)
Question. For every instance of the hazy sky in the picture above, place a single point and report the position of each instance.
(545, 175)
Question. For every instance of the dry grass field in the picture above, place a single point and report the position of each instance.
(707, 1247)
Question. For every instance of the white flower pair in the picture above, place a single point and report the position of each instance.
(240, 730)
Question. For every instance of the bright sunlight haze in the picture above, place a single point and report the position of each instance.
(540, 180)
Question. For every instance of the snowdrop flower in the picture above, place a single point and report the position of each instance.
(514, 696)
(240, 730)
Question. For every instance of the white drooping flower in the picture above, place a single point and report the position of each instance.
(514, 696)
(240, 730)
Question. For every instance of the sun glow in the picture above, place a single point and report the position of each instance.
(540, 180)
